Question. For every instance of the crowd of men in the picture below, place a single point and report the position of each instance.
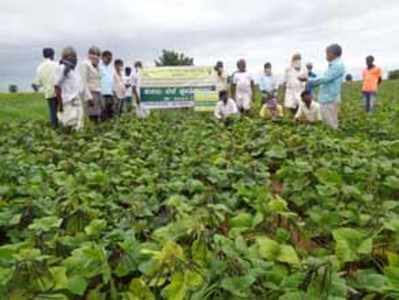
(298, 90)
(100, 88)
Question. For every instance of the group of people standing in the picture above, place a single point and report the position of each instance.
(298, 90)
(99, 88)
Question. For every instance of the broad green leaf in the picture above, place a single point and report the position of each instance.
(60, 277)
(238, 286)
(350, 243)
(268, 248)
(242, 220)
(177, 289)
(77, 285)
(45, 224)
(139, 290)
(288, 255)
(277, 205)
(95, 227)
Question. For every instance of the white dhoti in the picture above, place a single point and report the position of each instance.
(243, 100)
(292, 97)
(329, 114)
(72, 115)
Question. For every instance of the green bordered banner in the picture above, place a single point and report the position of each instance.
(178, 87)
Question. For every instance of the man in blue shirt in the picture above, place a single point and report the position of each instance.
(267, 83)
(330, 86)
(107, 72)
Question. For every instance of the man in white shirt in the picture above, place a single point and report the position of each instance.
(69, 90)
(309, 110)
(267, 83)
(127, 103)
(107, 76)
(136, 81)
(225, 107)
(220, 77)
(293, 86)
(45, 81)
(243, 87)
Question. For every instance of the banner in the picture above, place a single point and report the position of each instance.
(178, 87)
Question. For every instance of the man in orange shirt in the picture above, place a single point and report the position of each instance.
(372, 78)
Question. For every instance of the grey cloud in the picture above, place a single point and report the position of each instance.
(206, 29)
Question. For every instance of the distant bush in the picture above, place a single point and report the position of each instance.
(349, 77)
(393, 74)
(13, 88)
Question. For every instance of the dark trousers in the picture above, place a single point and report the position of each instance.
(52, 106)
(108, 112)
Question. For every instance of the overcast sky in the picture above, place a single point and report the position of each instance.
(208, 30)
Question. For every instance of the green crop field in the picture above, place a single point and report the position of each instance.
(179, 206)
(22, 107)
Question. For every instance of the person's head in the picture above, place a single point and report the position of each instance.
(223, 96)
(309, 66)
(94, 55)
(118, 65)
(269, 100)
(268, 68)
(128, 71)
(370, 61)
(241, 65)
(138, 65)
(219, 67)
(48, 53)
(69, 57)
(106, 57)
(333, 52)
(307, 97)
(296, 61)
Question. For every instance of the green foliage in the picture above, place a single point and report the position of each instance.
(173, 58)
(13, 88)
(394, 74)
(179, 206)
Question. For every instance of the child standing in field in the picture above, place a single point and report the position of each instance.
(270, 107)
(309, 111)
(372, 79)
(91, 78)
(69, 90)
(127, 103)
(293, 86)
(225, 107)
(45, 80)
(119, 88)
(107, 75)
(243, 87)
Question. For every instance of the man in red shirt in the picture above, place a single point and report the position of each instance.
(372, 78)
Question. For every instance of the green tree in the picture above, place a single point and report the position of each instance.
(349, 77)
(393, 74)
(173, 58)
(13, 88)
